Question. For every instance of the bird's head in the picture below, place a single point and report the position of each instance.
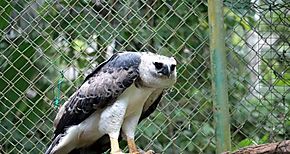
(157, 71)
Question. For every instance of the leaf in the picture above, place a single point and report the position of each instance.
(245, 142)
(79, 45)
(264, 139)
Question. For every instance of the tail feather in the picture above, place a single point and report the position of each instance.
(53, 144)
(99, 147)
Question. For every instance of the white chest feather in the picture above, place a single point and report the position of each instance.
(127, 109)
(135, 98)
(131, 102)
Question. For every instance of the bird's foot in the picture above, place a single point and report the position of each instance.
(146, 152)
(150, 152)
(117, 152)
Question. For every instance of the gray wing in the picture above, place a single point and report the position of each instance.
(100, 89)
(151, 103)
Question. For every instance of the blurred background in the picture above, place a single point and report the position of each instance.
(47, 47)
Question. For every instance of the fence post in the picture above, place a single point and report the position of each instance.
(219, 76)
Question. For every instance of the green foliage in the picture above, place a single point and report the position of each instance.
(259, 83)
(42, 38)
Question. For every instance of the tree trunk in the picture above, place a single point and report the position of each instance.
(270, 148)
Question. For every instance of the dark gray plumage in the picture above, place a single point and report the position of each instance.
(121, 72)
(117, 95)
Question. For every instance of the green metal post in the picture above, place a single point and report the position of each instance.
(219, 76)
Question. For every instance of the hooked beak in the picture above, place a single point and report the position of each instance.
(165, 71)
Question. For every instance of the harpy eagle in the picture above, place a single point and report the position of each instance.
(111, 102)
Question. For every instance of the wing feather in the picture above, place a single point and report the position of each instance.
(151, 103)
(100, 89)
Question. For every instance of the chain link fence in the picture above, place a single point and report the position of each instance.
(259, 71)
(48, 47)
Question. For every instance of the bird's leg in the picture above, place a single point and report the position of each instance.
(112, 122)
(115, 146)
(128, 128)
(133, 148)
(132, 145)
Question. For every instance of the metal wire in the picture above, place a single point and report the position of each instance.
(260, 90)
(39, 39)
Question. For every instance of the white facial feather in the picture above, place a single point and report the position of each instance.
(149, 74)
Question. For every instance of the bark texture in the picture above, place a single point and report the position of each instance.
(282, 147)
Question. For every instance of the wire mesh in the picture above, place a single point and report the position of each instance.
(43, 40)
(258, 45)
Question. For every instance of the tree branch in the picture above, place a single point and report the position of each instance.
(269, 148)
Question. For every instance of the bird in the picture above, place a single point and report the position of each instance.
(112, 100)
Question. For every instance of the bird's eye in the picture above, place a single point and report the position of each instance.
(158, 65)
(172, 67)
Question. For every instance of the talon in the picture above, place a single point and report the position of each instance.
(150, 152)
(147, 152)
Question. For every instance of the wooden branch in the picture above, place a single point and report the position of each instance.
(269, 148)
